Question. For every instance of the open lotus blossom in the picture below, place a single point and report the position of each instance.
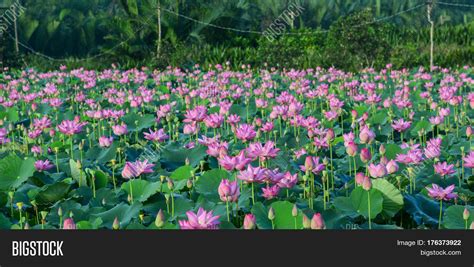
(228, 191)
(401, 125)
(377, 171)
(288, 181)
(438, 193)
(69, 127)
(43, 165)
(433, 148)
(120, 129)
(444, 169)
(256, 150)
(105, 141)
(245, 132)
(203, 220)
(137, 168)
(270, 192)
(312, 164)
(156, 136)
(252, 174)
(469, 160)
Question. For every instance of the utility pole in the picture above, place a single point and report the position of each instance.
(429, 9)
(158, 46)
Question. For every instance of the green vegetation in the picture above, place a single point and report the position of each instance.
(97, 33)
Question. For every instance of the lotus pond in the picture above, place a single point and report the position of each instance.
(217, 148)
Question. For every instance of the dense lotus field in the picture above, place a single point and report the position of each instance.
(247, 149)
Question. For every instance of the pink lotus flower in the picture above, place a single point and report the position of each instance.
(312, 164)
(288, 181)
(392, 167)
(351, 148)
(414, 156)
(252, 174)
(317, 222)
(203, 220)
(249, 221)
(43, 165)
(469, 160)
(69, 224)
(377, 171)
(443, 169)
(228, 191)
(365, 155)
(433, 148)
(197, 114)
(156, 136)
(438, 193)
(120, 129)
(245, 132)
(42, 123)
(256, 150)
(105, 141)
(214, 120)
(69, 127)
(137, 168)
(270, 192)
(366, 136)
(401, 125)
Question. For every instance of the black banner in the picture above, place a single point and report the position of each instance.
(203, 248)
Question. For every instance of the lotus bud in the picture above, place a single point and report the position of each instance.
(271, 214)
(317, 222)
(186, 161)
(170, 184)
(306, 222)
(330, 135)
(116, 224)
(19, 205)
(468, 131)
(160, 219)
(189, 184)
(382, 150)
(141, 216)
(359, 178)
(354, 114)
(69, 224)
(162, 178)
(308, 163)
(249, 222)
(294, 211)
(325, 161)
(367, 184)
(27, 226)
(365, 155)
(472, 226)
(11, 194)
(465, 214)
(71, 214)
